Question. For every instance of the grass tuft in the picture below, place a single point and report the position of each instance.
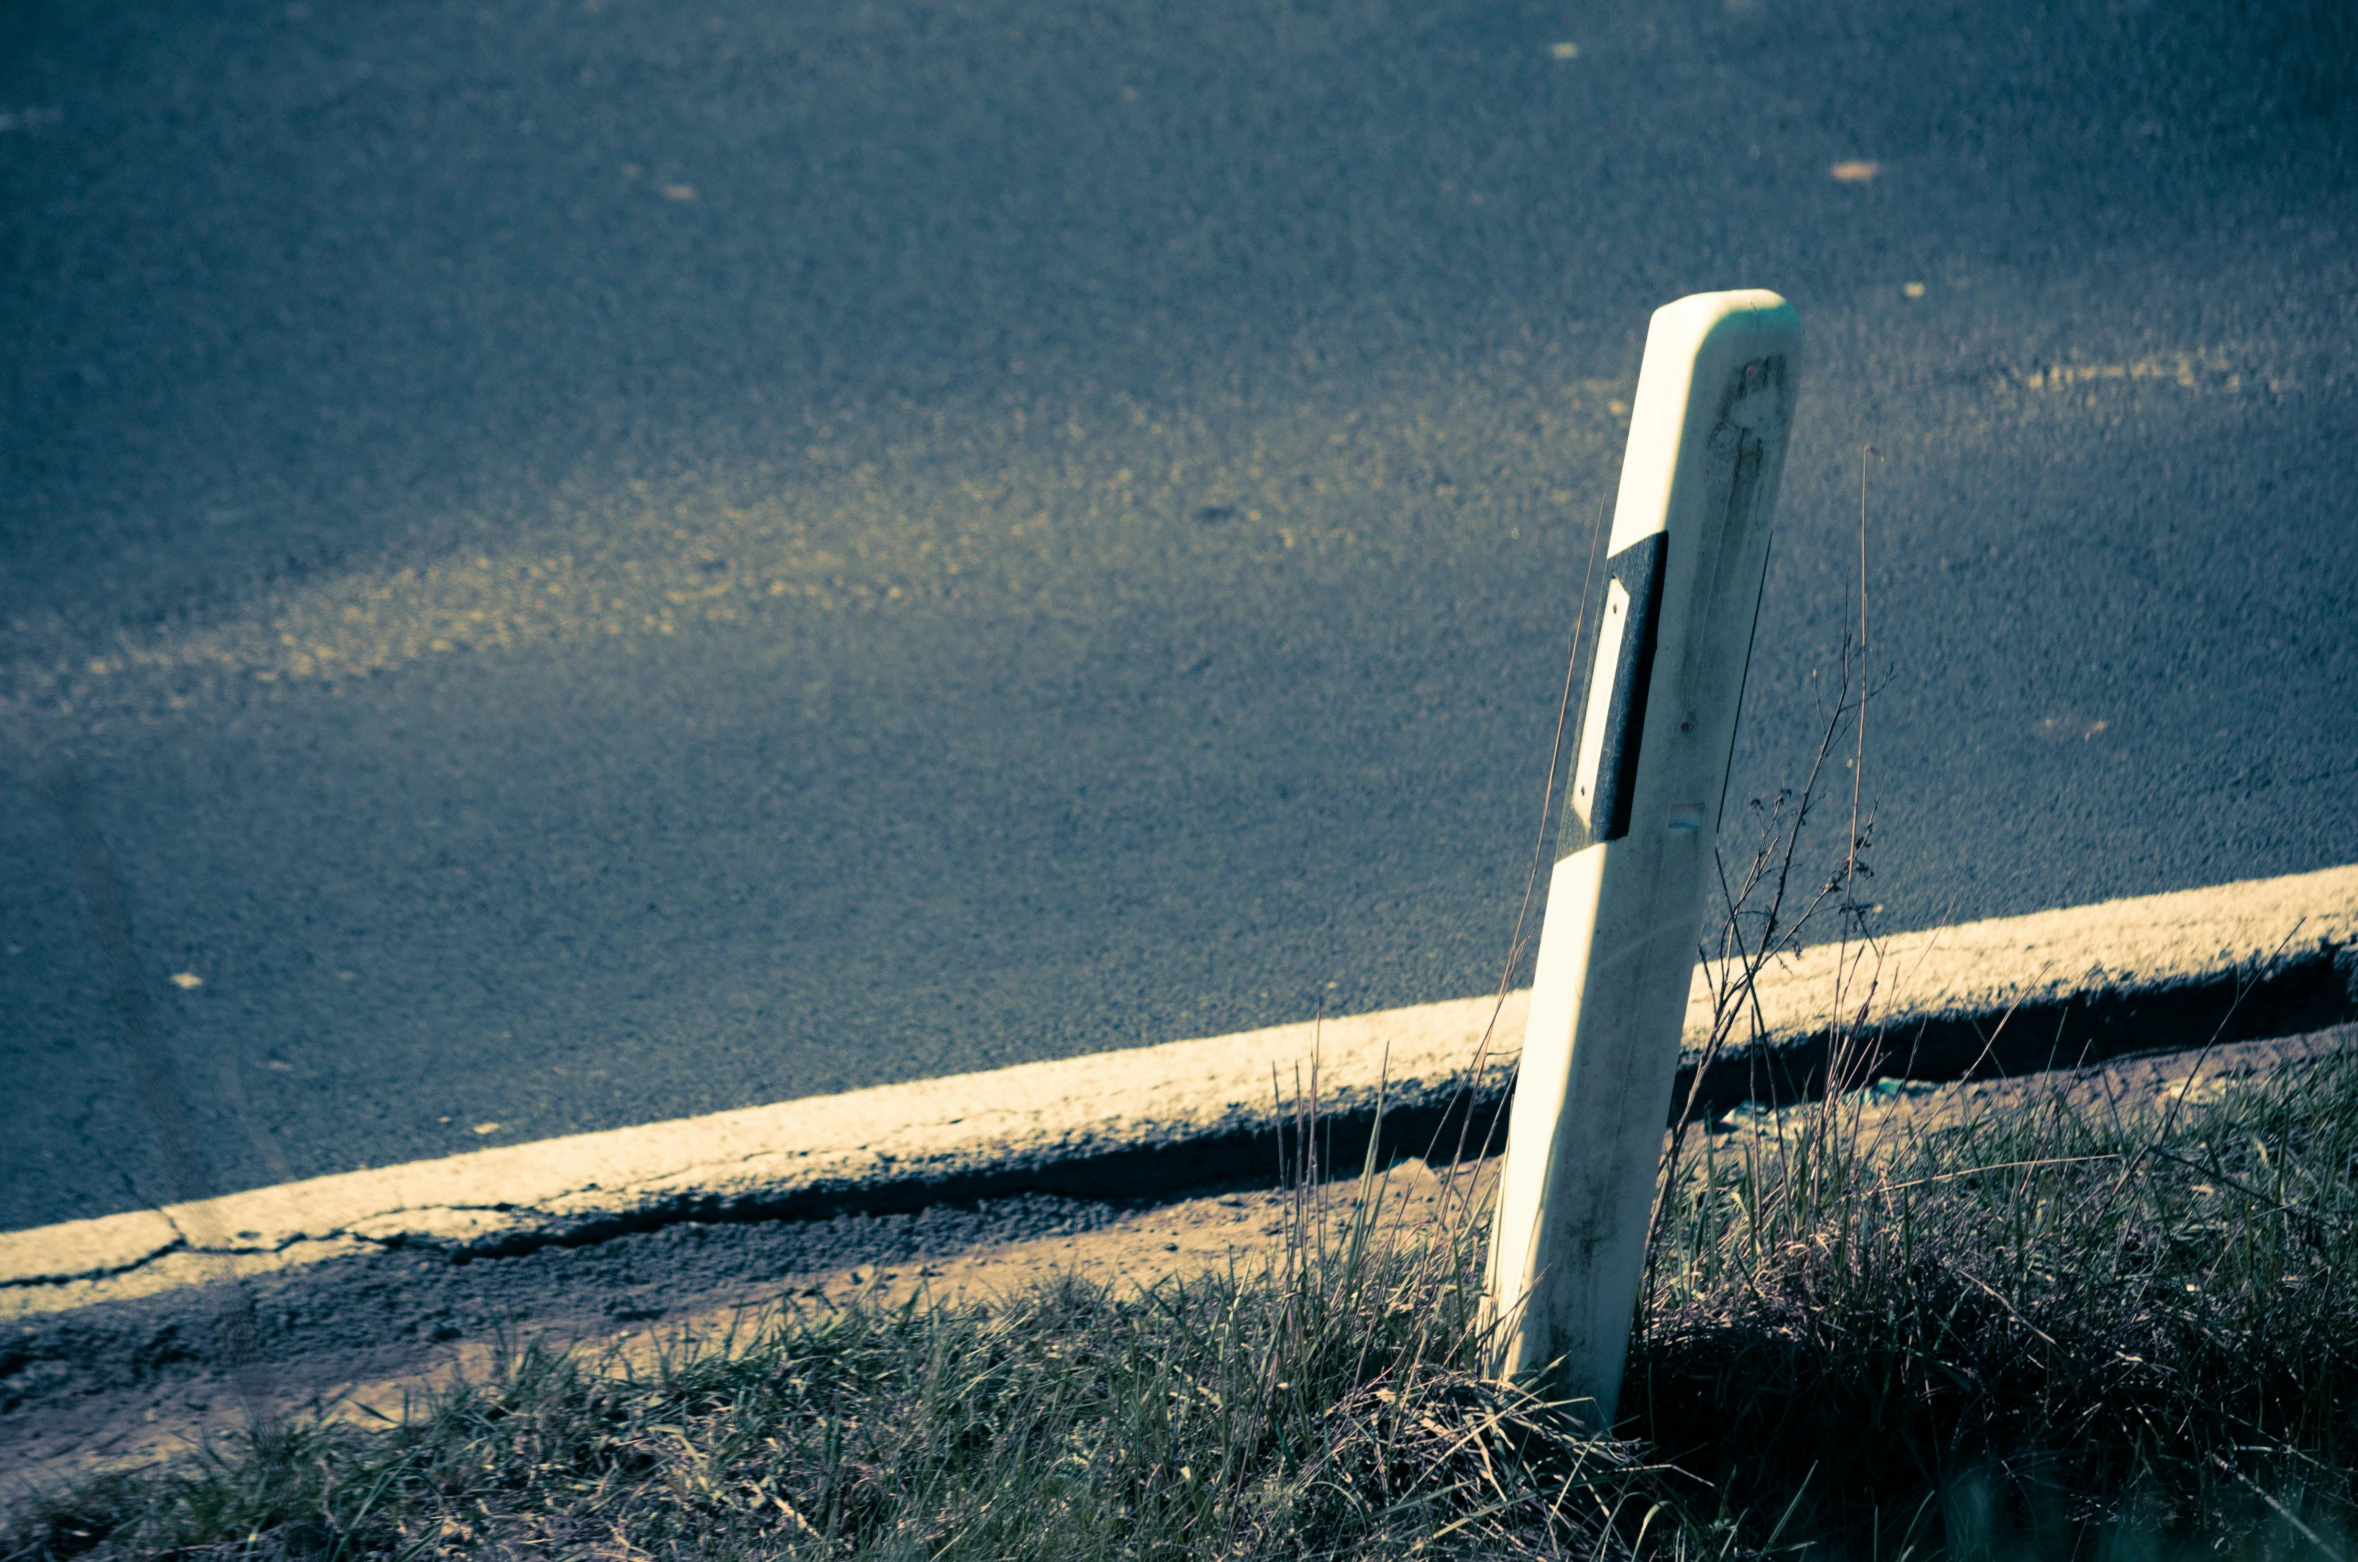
(2058, 1327)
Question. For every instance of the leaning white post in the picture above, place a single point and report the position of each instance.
(1634, 849)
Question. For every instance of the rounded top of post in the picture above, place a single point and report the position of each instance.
(1695, 342)
(1696, 318)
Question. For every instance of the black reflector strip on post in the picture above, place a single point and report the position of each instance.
(1613, 706)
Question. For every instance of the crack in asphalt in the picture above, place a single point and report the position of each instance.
(182, 1243)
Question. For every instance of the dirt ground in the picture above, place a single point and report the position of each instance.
(149, 1382)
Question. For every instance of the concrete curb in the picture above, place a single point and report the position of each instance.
(2263, 958)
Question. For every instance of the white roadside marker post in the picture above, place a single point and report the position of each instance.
(1657, 720)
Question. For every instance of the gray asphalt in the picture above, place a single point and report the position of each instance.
(596, 562)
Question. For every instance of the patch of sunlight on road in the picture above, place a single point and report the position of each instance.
(2212, 371)
(1062, 512)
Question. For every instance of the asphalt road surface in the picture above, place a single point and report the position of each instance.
(570, 564)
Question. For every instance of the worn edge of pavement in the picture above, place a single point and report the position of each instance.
(2234, 962)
